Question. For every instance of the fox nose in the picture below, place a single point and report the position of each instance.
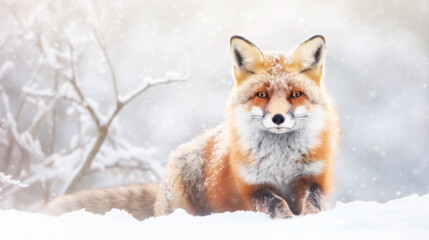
(278, 119)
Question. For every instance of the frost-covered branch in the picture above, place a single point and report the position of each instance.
(36, 153)
(169, 78)
(109, 64)
(83, 168)
(8, 180)
(76, 87)
(5, 67)
(103, 128)
(42, 112)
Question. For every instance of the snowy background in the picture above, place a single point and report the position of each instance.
(377, 71)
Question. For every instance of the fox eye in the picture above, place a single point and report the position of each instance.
(296, 94)
(262, 94)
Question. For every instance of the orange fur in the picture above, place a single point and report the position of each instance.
(252, 161)
(224, 186)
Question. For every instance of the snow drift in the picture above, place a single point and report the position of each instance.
(397, 219)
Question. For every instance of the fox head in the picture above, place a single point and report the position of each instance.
(276, 92)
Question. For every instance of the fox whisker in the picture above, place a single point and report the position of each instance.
(301, 115)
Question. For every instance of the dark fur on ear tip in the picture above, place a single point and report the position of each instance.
(241, 38)
(316, 36)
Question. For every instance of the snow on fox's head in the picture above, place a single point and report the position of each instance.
(281, 92)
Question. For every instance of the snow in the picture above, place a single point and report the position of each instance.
(5, 67)
(170, 76)
(8, 179)
(398, 219)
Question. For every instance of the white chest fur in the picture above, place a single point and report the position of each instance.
(279, 163)
(280, 158)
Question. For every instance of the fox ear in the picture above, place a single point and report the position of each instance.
(246, 58)
(309, 57)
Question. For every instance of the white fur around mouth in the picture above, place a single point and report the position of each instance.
(278, 130)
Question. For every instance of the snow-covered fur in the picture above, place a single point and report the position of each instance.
(138, 200)
(253, 161)
(274, 151)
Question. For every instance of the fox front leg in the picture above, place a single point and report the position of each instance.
(314, 200)
(309, 198)
(266, 201)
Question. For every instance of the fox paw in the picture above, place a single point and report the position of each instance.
(310, 210)
(279, 209)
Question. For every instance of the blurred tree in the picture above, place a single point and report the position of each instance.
(29, 150)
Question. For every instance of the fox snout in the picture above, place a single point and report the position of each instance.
(277, 116)
(279, 123)
(278, 106)
(278, 119)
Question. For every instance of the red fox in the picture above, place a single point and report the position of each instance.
(273, 153)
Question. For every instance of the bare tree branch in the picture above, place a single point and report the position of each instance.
(76, 86)
(8, 179)
(25, 150)
(109, 64)
(52, 138)
(14, 135)
(169, 78)
(29, 85)
(81, 171)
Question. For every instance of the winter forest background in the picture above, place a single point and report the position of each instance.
(89, 98)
